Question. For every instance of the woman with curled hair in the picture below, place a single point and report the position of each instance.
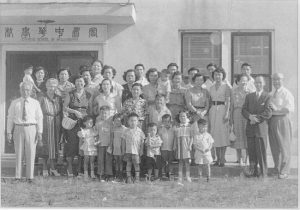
(51, 105)
(39, 80)
(219, 115)
(109, 72)
(150, 90)
(107, 98)
(130, 78)
(64, 85)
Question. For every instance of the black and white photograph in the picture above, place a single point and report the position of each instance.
(149, 104)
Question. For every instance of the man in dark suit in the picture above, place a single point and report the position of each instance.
(257, 110)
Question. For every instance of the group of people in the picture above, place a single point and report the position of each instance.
(148, 122)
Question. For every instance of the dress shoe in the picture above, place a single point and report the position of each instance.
(54, 172)
(221, 165)
(216, 164)
(30, 181)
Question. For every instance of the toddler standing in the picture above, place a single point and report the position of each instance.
(88, 135)
(28, 78)
(132, 144)
(183, 144)
(153, 143)
(203, 143)
(164, 83)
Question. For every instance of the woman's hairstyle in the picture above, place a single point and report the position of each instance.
(84, 68)
(152, 124)
(219, 70)
(199, 75)
(104, 108)
(40, 68)
(165, 71)
(117, 116)
(211, 64)
(51, 80)
(98, 61)
(76, 77)
(182, 111)
(64, 69)
(239, 77)
(132, 114)
(87, 118)
(151, 70)
(109, 67)
(166, 116)
(158, 96)
(172, 64)
(128, 71)
(202, 122)
(193, 69)
(137, 84)
(176, 73)
(245, 64)
(139, 64)
(100, 86)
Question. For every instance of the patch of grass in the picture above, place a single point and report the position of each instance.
(218, 193)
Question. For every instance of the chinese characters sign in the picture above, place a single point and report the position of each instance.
(53, 33)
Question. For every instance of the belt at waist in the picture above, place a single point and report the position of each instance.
(279, 115)
(218, 103)
(26, 124)
(199, 107)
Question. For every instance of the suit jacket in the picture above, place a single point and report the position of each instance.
(262, 109)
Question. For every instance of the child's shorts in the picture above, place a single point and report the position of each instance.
(167, 156)
(155, 162)
(132, 158)
(203, 158)
(118, 158)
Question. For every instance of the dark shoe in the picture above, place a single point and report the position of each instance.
(221, 165)
(30, 181)
(129, 180)
(216, 164)
(207, 179)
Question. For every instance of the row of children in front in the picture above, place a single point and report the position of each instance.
(109, 140)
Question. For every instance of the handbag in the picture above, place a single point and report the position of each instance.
(232, 136)
(68, 123)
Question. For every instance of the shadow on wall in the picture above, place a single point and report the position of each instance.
(115, 29)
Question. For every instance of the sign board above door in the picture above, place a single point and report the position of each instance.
(53, 33)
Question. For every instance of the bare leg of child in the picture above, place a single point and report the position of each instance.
(180, 168)
(120, 167)
(239, 156)
(70, 166)
(45, 166)
(117, 161)
(156, 171)
(187, 169)
(128, 171)
(200, 171)
(149, 174)
(137, 171)
(86, 166)
(208, 171)
(92, 164)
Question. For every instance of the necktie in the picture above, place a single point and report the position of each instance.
(24, 114)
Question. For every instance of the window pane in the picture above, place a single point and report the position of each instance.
(200, 49)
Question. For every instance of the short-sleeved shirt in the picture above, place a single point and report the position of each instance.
(282, 99)
(149, 92)
(113, 101)
(203, 141)
(103, 129)
(153, 145)
(28, 78)
(163, 87)
(198, 98)
(155, 115)
(167, 135)
(134, 139)
(117, 141)
(221, 93)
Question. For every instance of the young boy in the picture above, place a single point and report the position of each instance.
(157, 111)
(203, 143)
(153, 143)
(103, 129)
(166, 132)
(28, 78)
(132, 144)
(164, 83)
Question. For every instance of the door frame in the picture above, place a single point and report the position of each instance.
(99, 47)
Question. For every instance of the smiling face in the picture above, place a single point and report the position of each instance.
(25, 90)
(160, 102)
(177, 80)
(96, 68)
(87, 76)
(166, 122)
(246, 70)
(64, 76)
(152, 130)
(117, 122)
(130, 77)
(277, 81)
(218, 76)
(79, 83)
(139, 70)
(136, 92)
(104, 114)
(108, 74)
(192, 74)
(259, 83)
(40, 75)
(183, 117)
(243, 81)
(199, 81)
(88, 123)
(106, 86)
(51, 86)
(133, 122)
(172, 69)
(153, 76)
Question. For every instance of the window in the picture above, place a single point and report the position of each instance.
(200, 49)
(255, 49)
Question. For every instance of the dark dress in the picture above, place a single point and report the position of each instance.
(52, 111)
(42, 87)
(126, 94)
(82, 105)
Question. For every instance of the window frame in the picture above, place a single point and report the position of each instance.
(266, 33)
(198, 32)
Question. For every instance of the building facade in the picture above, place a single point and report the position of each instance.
(155, 33)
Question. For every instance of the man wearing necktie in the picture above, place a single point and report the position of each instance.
(280, 131)
(257, 110)
(25, 120)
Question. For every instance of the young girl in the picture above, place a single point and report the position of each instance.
(203, 143)
(164, 83)
(132, 144)
(116, 144)
(28, 78)
(183, 144)
(153, 143)
(103, 129)
(88, 135)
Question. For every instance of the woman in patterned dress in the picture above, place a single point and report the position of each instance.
(130, 78)
(77, 105)
(135, 104)
(237, 120)
(220, 93)
(150, 90)
(51, 105)
(64, 85)
(176, 102)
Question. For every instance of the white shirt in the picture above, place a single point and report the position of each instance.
(143, 81)
(163, 87)
(258, 94)
(28, 78)
(283, 99)
(250, 85)
(153, 145)
(34, 114)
